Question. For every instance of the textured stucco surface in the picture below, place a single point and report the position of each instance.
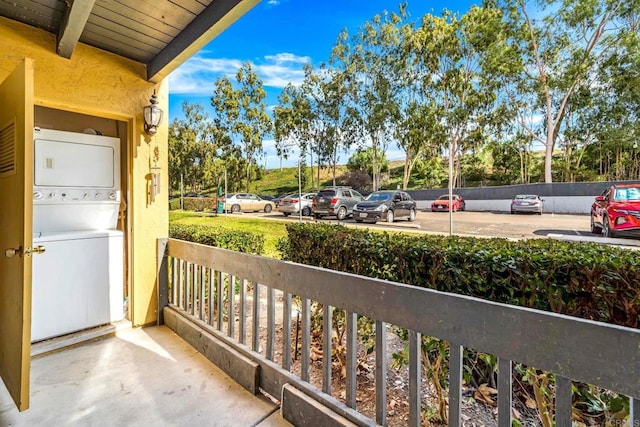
(98, 83)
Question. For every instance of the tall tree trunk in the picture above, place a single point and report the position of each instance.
(334, 161)
(311, 164)
(407, 169)
(248, 175)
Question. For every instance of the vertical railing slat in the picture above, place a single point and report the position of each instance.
(175, 283)
(210, 288)
(256, 317)
(563, 401)
(351, 345)
(286, 332)
(271, 322)
(415, 378)
(203, 285)
(455, 385)
(505, 385)
(326, 348)
(306, 340)
(187, 287)
(196, 286)
(193, 287)
(180, 285)
(219, 299)
(232, 309)
(243, 309)
(381, 373)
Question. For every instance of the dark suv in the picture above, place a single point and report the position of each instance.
(338, 201)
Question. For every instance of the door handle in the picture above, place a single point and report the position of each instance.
(11, 252)
(37, 250)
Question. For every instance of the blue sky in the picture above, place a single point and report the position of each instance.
(278, 37)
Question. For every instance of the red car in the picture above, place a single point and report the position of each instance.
(617, 211)
(442, 203)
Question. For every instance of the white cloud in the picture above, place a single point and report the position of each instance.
(197, 75)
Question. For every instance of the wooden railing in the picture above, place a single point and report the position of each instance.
(221, 290)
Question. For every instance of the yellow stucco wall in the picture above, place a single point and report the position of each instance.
(97, 83)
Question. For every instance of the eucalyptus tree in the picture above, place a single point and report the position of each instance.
(330, 129)
(560, 45)
(451, 55)
(614, 151)
(368, 63)
(291, 122)
(241, 110)
(419, 135)
(318, 135)
(196, 148)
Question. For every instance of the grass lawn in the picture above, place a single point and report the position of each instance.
(272, 230)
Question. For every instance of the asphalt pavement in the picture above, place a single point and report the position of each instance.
(486, 224)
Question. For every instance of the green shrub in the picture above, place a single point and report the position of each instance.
(221, 237)
(197, 204)
(579, 279)
(174, 204)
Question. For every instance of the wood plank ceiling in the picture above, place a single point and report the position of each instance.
(158, 33)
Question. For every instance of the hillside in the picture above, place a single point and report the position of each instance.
(275, 182)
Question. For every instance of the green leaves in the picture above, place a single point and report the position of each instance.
(579, 279)
(241, 112)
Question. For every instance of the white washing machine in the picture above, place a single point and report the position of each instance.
(78, 281)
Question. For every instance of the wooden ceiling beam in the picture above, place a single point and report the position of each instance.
(73, 23)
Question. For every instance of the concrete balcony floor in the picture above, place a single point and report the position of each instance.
(136, 377)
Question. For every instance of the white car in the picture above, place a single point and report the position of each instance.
(293, 203)
(246, 202)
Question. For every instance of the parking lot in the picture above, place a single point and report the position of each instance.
(486, 224)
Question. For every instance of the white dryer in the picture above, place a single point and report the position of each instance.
(78, 281)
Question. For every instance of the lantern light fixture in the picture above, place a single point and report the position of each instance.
(152, 115)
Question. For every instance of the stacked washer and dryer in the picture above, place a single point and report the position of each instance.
(78, 280)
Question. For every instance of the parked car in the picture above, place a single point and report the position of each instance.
(338, 201)
(385, 206)
(246, 202)
(617, 211)
(293, 203)
(442, 203)
(277, 199)
(527, 203)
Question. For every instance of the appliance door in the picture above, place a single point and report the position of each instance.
(69, 159)
(77, 282)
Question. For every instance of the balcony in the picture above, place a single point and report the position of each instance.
(135, 377)
(252, 317)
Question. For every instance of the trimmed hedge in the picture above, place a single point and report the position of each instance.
(587, 280)
(241, 241)
(197, 204)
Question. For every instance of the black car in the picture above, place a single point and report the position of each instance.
(385, 206)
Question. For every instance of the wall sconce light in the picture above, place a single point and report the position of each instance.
(152, 115)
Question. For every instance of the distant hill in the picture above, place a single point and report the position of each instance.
(284, 181)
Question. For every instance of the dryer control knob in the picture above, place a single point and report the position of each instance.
(112, 195)
(85, 195)
(98, 196)
(52, 195)
(37, 195)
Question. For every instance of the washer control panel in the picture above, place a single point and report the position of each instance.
(62, 195)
